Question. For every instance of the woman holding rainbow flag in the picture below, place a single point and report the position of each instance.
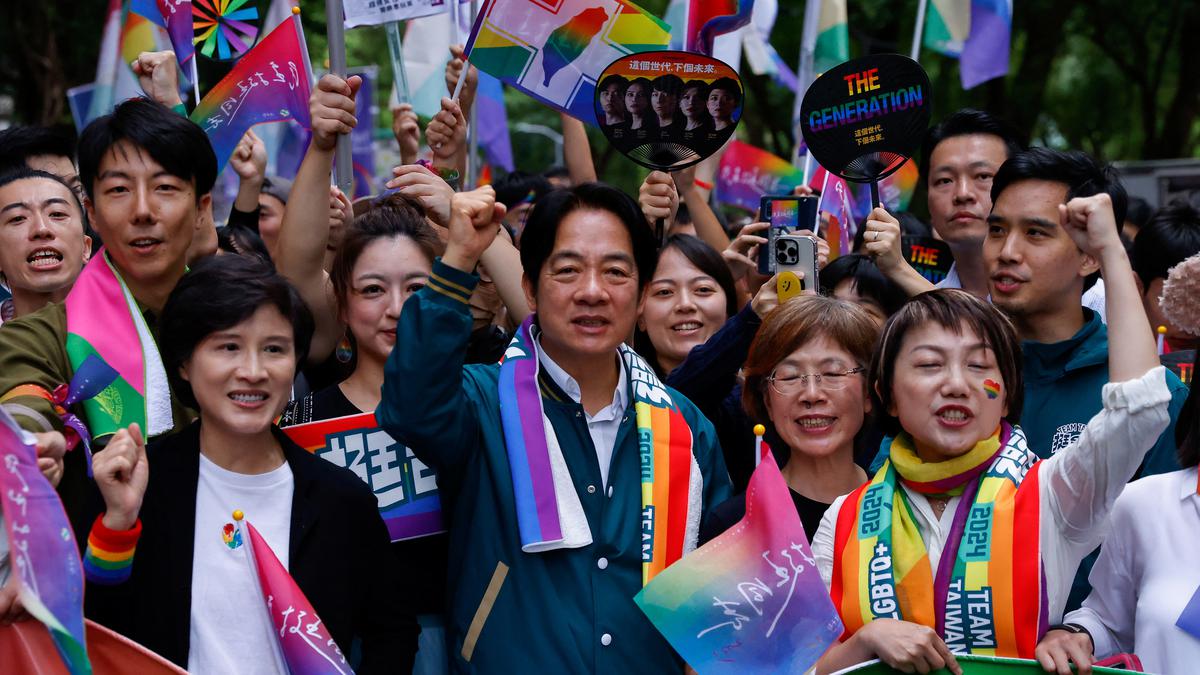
(934, 555)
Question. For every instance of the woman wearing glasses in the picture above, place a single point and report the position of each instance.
(805, 382)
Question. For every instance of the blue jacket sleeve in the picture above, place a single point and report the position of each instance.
(424, 403)
(710, 370)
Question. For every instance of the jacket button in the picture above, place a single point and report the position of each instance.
(610, 492)
(602, 563)
(606, 639)
(578, 413)
(591, 489)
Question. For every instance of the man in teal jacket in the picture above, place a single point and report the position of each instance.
(586, 255)
(1036, 275)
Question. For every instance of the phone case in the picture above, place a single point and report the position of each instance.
(789, 261)
(806, 219)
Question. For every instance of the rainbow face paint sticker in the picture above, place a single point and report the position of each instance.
(231, 536)
(992, 388)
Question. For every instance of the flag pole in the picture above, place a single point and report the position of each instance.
(804, 71)
(396, 49)
(336, 34)
(195, 83)
(473, 124)
(915, 54)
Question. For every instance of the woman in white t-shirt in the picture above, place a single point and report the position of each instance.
(231, 335)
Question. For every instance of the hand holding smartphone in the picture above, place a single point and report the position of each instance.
(786, 214)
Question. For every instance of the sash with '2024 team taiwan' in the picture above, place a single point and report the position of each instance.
(405, 487)
(989, 594)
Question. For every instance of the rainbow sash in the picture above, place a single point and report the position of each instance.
(105, 322)
(549, 513)
(989, 594)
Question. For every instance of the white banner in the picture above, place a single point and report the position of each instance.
(375, 12)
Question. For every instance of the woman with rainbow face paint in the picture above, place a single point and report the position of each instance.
(933, 556)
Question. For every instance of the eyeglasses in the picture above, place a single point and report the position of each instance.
(790, 383)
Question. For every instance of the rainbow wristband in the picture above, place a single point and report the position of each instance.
(109, 557)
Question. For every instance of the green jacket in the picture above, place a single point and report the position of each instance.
(565, 611)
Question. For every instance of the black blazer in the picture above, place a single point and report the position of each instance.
(339, 555)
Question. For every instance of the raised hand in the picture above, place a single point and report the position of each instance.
(447, 131)
(331, 108)
(658, 197)
(1090, 222)
(407, 130)
(881, 241)
(742, 253)
(249, 158)
(51, 446)
(474, 222)
(121, 473)
(158, 77)
(454, 68)
(428, 188)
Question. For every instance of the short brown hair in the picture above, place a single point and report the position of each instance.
(951, 309)
(793, 324)
(395, 215)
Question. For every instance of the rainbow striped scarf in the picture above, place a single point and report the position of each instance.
(989, 594)
(105, 322)
(549, 513)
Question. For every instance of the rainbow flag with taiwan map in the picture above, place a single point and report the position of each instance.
(405, 488)
(271, 83)
(554, 52)
(41, 546)
(751, 600)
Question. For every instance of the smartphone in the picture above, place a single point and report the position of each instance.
(795, 253)
(786, 214)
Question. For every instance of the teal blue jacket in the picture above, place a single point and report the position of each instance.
(565, 611)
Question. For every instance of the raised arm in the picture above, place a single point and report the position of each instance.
(1083, 480)
(249, 161)
(708, 228)
(305, 231)
(882, 242)
(577, 151)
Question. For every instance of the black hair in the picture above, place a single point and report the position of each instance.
(867, 280)
(668, 83)
(515, 186)
(727, 84)
(1187, 425)
(172, 140)
(23, 172)
(18, 144)
(968, 122)
(218, 293)
(556, 171)
(242, 240)
(700, 84)
(1082, 175)
(1171, 236)
(1138, 211)
(541, 227)
(706, 259)
(642, 81)
(621, 82)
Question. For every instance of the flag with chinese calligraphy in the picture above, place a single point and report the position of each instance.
(405, 488)
(41, 546)
(271, 83)
(556, 53)
(303, 640)
(747, 173)
(750, 600)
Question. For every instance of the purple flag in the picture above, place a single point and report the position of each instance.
(493, 126)
(985, 53)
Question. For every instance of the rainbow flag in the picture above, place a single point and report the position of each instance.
(947, 25)
(304, 642)
(405, 488)
(750, 600)
(747, 173)
(174, 16)
(271, 83)
(709, 18)
(833, 37)
(985, 53)
(556, 54)
(835, 200)
(41, 546)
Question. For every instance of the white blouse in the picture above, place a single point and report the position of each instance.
(1078, 486)
(1147, 572)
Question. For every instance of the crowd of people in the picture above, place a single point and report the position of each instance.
(998, 464)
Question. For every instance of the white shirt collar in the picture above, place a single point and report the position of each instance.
(571, 388)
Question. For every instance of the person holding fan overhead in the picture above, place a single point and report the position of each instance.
(961, 487)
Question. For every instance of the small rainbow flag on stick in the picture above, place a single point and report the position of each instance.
(750, 600)
(304, 642)
(271, 83)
